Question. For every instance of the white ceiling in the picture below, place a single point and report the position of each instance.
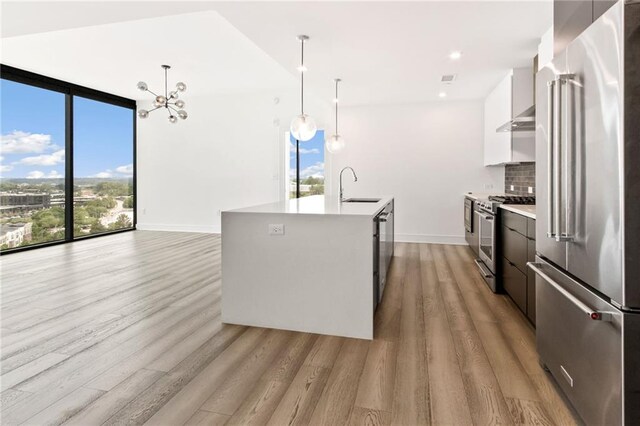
(385, 52)
(203, 49)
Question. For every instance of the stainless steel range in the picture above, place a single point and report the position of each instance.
(487, 210)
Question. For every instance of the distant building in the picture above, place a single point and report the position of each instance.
(11, 203)
(58, 199)
(14, 234)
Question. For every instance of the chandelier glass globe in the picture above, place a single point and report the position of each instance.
(303, 128)
(166, 100)
(334, 144)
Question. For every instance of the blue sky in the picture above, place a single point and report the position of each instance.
(311, 156)
(33, 135)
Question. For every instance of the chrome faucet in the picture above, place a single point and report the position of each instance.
(355, 179)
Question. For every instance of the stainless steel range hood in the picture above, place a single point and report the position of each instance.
(523, 109)
(524, 122)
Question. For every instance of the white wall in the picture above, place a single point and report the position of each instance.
(427, 155)
(229, 153)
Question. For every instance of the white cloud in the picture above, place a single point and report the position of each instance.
(315, 170)
(292, 148)
(44, 160)
(4, 168)
(37, 174)
(125, 170)
(18, 142)
(103, 175)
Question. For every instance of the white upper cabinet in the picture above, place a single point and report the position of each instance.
(545, 49)
(499, 108)
(497, 111)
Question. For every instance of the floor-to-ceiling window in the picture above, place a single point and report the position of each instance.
(67, 159)
(103, 167)
(310, 156)
(32, 165)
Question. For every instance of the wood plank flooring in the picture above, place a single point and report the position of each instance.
(126, 330)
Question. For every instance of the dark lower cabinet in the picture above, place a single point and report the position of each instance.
(531, 280)
(518, 247)
(515, 284)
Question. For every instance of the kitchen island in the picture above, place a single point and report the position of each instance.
(312, 264)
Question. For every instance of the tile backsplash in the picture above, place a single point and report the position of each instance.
(521, 176)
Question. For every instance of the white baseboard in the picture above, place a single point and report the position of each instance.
(177, 228)
(431, 239)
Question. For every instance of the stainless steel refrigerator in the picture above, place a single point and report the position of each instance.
(588, 218)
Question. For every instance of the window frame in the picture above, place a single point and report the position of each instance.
(70, 90)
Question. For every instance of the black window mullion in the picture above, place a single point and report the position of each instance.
(135, 167)
(68, 174)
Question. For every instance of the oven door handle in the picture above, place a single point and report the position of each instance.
(485, 216)
(483, 269)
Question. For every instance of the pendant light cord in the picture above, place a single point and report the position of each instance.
(337, 106)
(302, 77)
(166, 94)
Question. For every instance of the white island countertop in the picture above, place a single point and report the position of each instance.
(319, 205)
(522, 209)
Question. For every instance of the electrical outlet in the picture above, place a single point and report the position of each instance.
(511, 187)
(144, 211)
(276, 229)
(531, 190)
(488, 186)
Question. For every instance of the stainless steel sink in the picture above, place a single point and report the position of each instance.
(361, 200)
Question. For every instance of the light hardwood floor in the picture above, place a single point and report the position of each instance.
(126, 329)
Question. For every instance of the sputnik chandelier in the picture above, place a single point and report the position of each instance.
(169, 100)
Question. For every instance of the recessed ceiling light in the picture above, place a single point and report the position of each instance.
(455, 55)
(442, 94)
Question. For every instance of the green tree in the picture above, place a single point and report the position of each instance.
(98, 227)
(114, 189)
(128, 203)
(121, 222)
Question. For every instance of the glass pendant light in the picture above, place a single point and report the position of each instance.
(303, 127)
(335, 142)
(169, 100)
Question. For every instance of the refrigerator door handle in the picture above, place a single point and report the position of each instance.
(550, 157)
(566, 233)
(557, 150)
(591, 313)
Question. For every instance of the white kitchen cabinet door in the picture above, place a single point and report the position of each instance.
(497, 111)
(545, 49)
